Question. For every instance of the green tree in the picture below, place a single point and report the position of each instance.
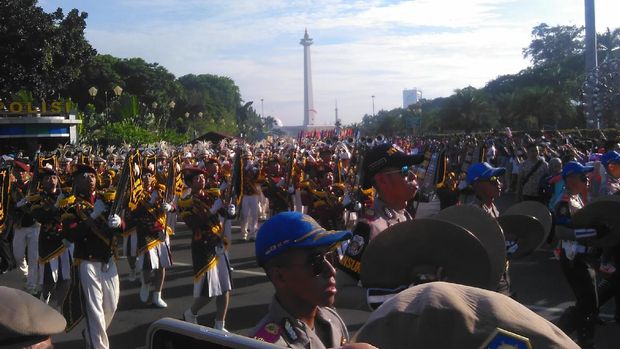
(553, 44)
(609, 44)
(40, 52)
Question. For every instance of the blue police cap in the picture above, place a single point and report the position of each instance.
(609, 157)
(483, 170)
(288, 230)
(573, 167)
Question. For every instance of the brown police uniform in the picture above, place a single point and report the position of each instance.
(281, 328)
(379, 218)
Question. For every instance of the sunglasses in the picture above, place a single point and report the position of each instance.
(316, 261)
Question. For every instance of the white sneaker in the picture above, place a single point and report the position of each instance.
(132, 275)
(245, 236)
(144, 292)
(157, 301)
(190, 317)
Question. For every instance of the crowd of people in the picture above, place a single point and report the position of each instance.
(68, 213)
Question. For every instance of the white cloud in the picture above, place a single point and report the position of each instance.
(362, 48)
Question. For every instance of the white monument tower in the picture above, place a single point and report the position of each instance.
(309, 112)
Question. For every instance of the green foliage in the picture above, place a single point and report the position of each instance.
(40, 52)
(546, 95)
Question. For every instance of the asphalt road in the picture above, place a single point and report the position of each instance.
(537, 280)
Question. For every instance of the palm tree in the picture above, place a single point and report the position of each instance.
(608, 42)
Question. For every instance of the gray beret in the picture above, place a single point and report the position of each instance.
(445, 315)
(25, 320)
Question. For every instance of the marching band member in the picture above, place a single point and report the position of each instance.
(26, 229)
(154, 254)
(250, 200)
(86, 224)
(212, 279)
(55, 258)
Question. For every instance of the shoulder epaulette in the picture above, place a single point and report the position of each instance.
(186, 202)
(214, 192)
(69, 200)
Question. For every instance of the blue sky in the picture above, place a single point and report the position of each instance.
(361, 48)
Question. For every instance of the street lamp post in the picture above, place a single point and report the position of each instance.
(373, 105)
(262, 109)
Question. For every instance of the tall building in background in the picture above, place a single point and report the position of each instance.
(309, 111)
(411, 96)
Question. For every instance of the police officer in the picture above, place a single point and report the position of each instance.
(386, 168)
(576, 257)
(298, 256)
(610, 285)
(486, 184)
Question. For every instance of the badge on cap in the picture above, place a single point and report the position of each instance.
(502, 339)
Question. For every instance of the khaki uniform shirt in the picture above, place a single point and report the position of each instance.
(491, 210)
(377, 219)
(281, 328)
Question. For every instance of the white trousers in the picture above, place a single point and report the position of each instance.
(249, 214)
(297, 205)
(101, 292)
(28, 237)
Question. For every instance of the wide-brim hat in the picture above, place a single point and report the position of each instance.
(486, 229)
(602, 211)
(534, 209)
(445, 315)
(21, 165)
(25, 320)
(527, 231)
(396, 256)
(191, 172)
(47, 171)
(82, 168)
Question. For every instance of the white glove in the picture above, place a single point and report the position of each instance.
(161, 235)
(232, 209)
(114, 221)
(99, 208)
(357, 207)
(291, 189)
(154, 197)
(167, 207)
(22, 202)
